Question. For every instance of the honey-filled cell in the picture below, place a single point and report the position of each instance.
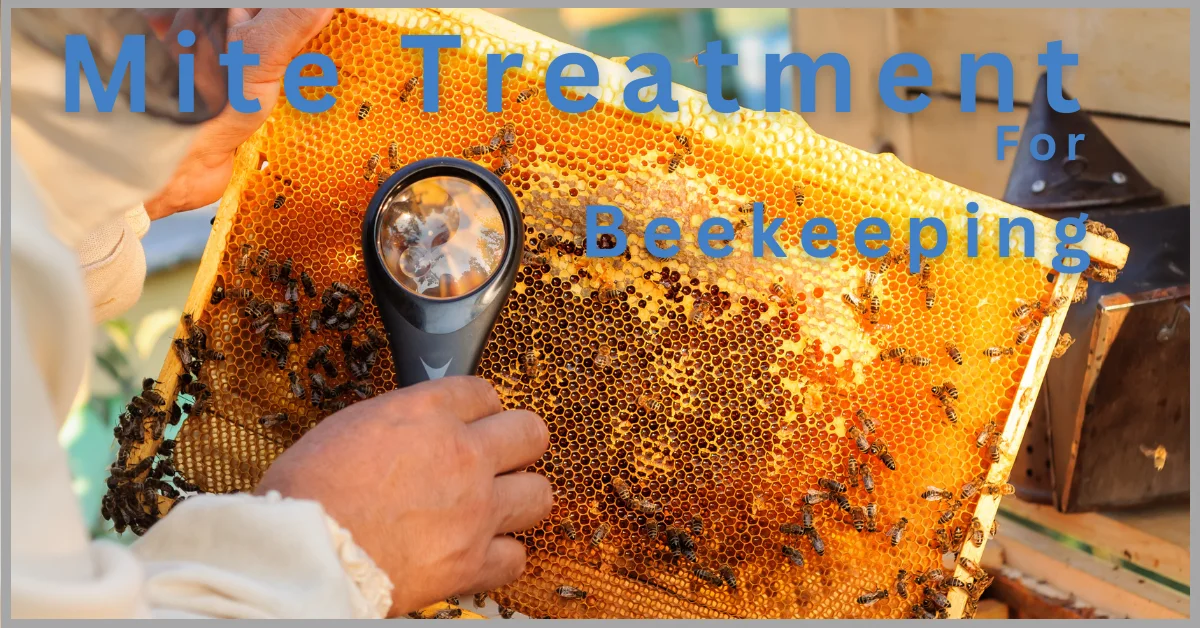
(702, 410)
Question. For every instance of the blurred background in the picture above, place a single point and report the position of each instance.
(1062, 552)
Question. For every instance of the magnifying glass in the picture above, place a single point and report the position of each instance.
(442, 242)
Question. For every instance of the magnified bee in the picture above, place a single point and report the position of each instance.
(868, 480)
(868, 599)
(995, 353)
(405, 92)
(1064, 342)
(271, 420)
(526, 94)
(568, 592)
(363, 110)
(954, 353)
(858, 516)
(793, 555)
(814, 497)
(599, 534)
(935, 494)
(997, 489)
(831, 486)
(902, 583)
(729, 576)
(218, 292)
(818, 544)
(896, 533)
(676, 159)
(708, 576)
(976, 531)
(860, 441)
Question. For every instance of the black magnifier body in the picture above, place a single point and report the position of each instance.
(442, 243)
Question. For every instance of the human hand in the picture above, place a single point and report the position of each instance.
(276, 35)
(423, 478)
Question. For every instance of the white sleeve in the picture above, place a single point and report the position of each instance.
(213, 556)
(242, 556)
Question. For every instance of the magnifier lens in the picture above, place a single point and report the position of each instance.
(440, 237)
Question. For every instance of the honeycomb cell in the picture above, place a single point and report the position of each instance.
(697, 406)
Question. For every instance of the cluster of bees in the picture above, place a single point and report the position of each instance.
(131, 501)
(454, 611)
(281, 325)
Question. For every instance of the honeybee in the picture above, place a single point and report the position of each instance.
(684, 142)
(954, 353)
(798, 192)
(480, 600)
(934, 494)
(814, 497)
(568, 528)
(948, 389)
(843, 502)
(746, 208)
(708, 576)
(372, 166)
(832, 486)
(508, 136)
(872, 512)
(854, 302)
(782, 294)
(363, 110)
(951, 413)
(916, 360)
(793, 529)
(271, 420)
(405, 93)
(969, 489)
(506, 612)
(279, 200)
(652, 527)
(264, 254)
(297, 387)
(995, 353)
(806, 517)
(902, 583)
(621, 488)
(697, 525)
(868, 599)
(860, 441)
(793, 555)
(985, 434)
(218, 292)
(997, 489)
(952, 583)
(676, 159)
(868, 480)
(481, 149)
(937, 598)
(1055, 305)
(599, 534)
(818, 544)
(957, 538)
(1025, 332)
(244, 261)
(526, 94)
(895, 353)
(933, 575)
(852, 470)
(867, 422)
(1101, 272)
(504, 167)
(972, 568)
(568, 592)
(729, 576)
(930, 297)
(530, 364)
(880, 449)
(1081, 291)
(1064, 342)
(650, 403)
(994, 448)
(859, 518)
(994, 529)
(1022, 310)
(874, 309)
(896, 533)
(976, 531)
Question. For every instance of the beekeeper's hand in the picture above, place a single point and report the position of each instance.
(276, 35)
(428, 480)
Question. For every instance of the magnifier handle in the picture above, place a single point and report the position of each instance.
(421, 356)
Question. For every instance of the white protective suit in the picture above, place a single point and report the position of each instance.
(77, 185)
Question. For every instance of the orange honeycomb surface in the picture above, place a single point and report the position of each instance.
(692, 396)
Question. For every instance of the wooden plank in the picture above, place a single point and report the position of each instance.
(1118, 593)
(866, 37)
(1111, 537)
(961, 148)
(1131, 61)
(1026, 602)
(1169, 523)
(991, 609)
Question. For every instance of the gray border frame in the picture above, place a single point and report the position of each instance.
(5, 226)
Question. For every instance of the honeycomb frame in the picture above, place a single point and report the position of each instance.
(779, 145)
